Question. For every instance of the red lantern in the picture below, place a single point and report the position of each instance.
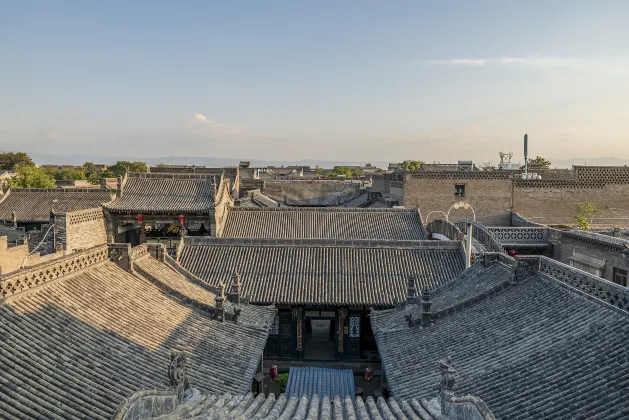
(140, 218)
(181, 219)
(368, 373)
(273, 371)
(512, 253)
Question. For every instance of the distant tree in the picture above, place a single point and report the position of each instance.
(9, 161)
(541, 162)
(70, 174)
(318, 170)
(107, 174)
(347, 171)
(29, 176)
(379, 171)
(122, 165)
(411, 165)
(89, 167)
(586, 212)
(161, 165)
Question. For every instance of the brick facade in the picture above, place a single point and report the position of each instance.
(495, 195)
(490, 198)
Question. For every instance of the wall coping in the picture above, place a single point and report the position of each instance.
(324, 209)
(320, 243)
(31, 277)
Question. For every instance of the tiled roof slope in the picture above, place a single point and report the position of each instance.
(247, 406)
(324, 223)
(34, 205)
(78, 345)
(475, 281)
(201, 293)
(170, 193)
(323, 272)
(311, 381)
(538, 350)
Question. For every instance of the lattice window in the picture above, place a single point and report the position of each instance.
(275, 327)
(354, 327)
(459, 190)
(620, 276)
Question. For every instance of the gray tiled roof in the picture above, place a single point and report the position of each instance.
(80, 344)
(34, 205)
(475, 281)
(170, 193)
(323, 272)
(324, 223)
(227, 406)
(201, 293)
(538, 350)
(311, 381)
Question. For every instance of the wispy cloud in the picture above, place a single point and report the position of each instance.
(203, 124)
(544, 62)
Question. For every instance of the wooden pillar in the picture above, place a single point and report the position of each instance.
(142, 232)
(341, 330)
(299, 335)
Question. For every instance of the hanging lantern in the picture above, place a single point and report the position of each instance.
(273, 371)
(368, 373)
(140, 218)
(181, 219)
(512, 253)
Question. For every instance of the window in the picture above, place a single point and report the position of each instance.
(620, 276)
(585, 267)
(459, 190)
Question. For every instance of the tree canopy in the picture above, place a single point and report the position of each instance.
(540, 161)
(122, 165)
(31, 177)
(411, 165)
(9, 161)
(586, 212)
(347, 171)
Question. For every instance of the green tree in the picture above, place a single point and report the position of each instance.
(586, 212)
(540, 162)
(347, 171)
(70, 174)
(31, 177)
(379, 171)
(9, 161)
(411, 165)
(318, 170)
(122, 165)
(89, 167)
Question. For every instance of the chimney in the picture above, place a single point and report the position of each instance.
(426, 303)
(411, 290)
(219, 300)
(236, 285)
(119, 187)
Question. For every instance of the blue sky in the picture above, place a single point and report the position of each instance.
(355, 80)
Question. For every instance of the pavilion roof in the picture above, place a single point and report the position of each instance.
(324, 223)
(165, 193)
(323, 272)
(34, 205)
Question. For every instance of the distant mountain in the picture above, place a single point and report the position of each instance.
(78, 159)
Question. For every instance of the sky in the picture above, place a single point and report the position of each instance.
(337, 80)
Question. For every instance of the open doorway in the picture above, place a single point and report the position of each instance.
(320, 339)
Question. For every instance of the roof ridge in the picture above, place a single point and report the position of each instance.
(320, 243)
